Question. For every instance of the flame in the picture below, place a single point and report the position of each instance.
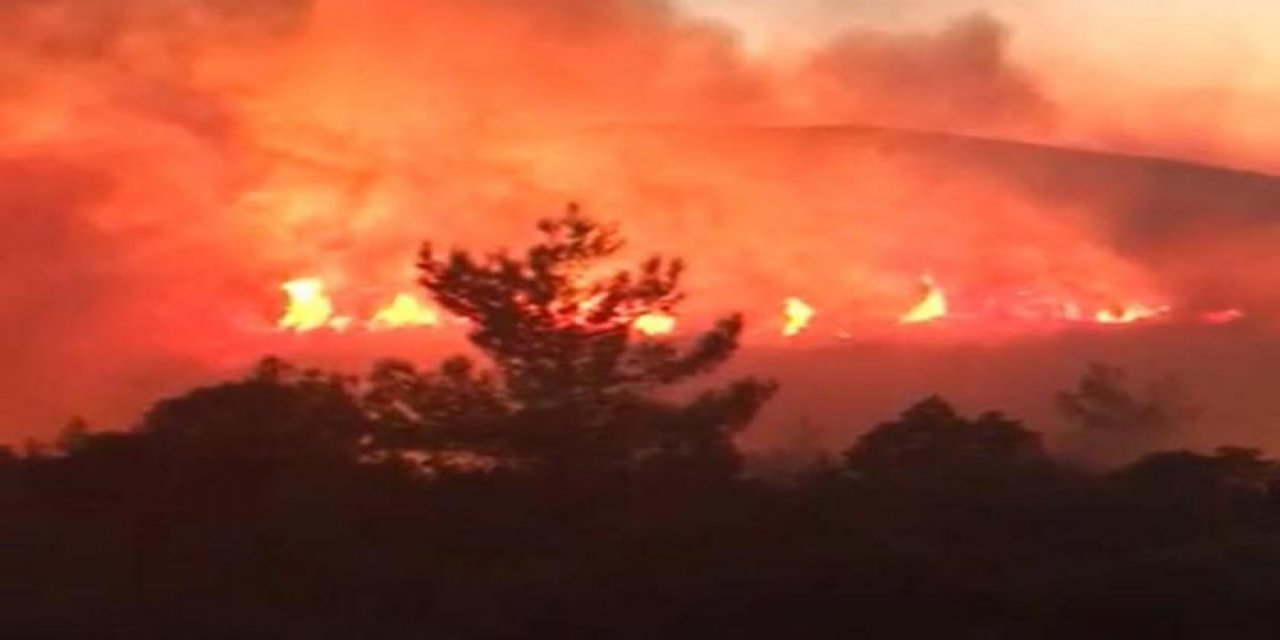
(1129, 314)
(655, 324)
(404, 311)
(932, 307)
(309, 307)
(798, 314)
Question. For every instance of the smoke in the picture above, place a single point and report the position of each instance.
(958, 79)
(165, 166)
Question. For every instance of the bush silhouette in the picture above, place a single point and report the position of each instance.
(277, 412)
(931, 440)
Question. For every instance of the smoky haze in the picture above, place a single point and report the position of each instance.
(165, 167)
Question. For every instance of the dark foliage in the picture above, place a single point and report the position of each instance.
(937, 524)
(573, 384)
(931, 443)
(562, 497)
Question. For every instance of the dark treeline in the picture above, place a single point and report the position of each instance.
(574, 484)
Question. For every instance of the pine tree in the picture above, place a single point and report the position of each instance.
(573, 384)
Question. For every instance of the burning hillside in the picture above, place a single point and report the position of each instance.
(309, 308)
(187, 186)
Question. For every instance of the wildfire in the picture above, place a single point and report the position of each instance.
(309, 307)
(405, 311)
(797, 316)
(932, 307)
(652, 324)
(655, 324)
(1129, 314)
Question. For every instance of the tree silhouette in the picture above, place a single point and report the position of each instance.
(574, 383)
(1120, 422)
(452, 415)
(932, 441)
(74, 435)
(1185, 473)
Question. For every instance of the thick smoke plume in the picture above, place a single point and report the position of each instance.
(165, 166)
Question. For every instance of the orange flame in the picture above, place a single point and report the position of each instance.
(655, 324)
(1129, 314)
(797, 316)
(403, 312)
(932, 307)
(309, 307)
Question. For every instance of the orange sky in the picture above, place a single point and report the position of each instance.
(1131, 72)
